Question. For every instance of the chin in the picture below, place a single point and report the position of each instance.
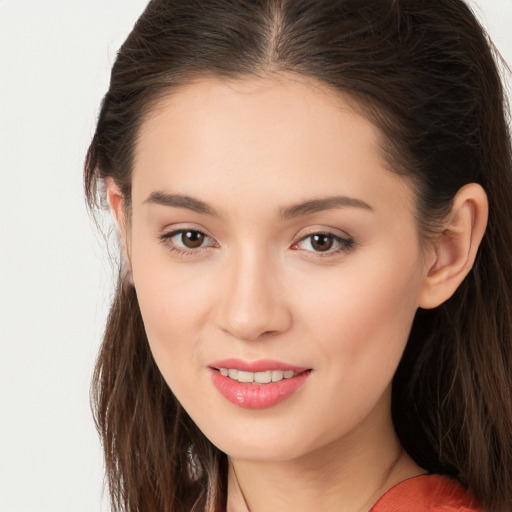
(259, 444)
(261, 452)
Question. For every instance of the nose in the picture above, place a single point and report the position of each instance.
(253, 304)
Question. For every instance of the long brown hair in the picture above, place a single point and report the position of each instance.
(424, 72)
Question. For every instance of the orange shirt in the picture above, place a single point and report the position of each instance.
(427, 493)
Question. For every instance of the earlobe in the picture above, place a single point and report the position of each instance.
(117, 209)
(455, 249)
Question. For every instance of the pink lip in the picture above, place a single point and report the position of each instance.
(257, 396)
(262, 365)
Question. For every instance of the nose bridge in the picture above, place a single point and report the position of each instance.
(252, 304)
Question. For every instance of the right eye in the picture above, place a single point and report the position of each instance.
(185, 241)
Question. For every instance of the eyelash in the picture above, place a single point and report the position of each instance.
(344, 244)
(166, 239)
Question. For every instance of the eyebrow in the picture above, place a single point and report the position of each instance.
(295, 210)
(181, 201)
(319, 205)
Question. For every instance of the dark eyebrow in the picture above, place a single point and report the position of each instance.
(296, 210)
(181, 201)
(318, 205)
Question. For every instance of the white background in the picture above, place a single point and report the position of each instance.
(55, 59)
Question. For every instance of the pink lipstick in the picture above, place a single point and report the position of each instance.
(257, 384)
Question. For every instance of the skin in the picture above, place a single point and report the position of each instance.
(257, 288)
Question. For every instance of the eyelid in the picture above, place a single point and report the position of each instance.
(321, 230)
(166, 239)
(346, 242)
(181, 227)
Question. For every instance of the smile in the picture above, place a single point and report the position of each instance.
(258, 384)
(264, 377)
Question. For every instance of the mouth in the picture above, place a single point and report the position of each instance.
(257, 385)
(265, 377)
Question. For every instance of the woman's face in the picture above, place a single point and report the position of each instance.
(269, 242)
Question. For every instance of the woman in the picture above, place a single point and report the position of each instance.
(313, 200)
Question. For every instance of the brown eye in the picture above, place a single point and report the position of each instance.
(192, 239)
(187, 241)
(327, 243)
(321, 242)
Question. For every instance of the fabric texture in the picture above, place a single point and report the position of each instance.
(427, 493)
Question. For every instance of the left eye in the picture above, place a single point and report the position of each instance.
(324, 242)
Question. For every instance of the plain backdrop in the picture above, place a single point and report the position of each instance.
(55, 274)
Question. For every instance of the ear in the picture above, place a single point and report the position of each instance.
(117, 209)
(454, 251)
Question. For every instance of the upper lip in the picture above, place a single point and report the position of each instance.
(260, 365)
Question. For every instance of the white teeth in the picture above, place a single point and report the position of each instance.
(263, 377)
(245, 376)
(277, 375)
(257, 377)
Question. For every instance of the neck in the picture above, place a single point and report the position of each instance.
(348, 475)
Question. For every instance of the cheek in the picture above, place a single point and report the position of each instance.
(356, 332)
(174, 312)
(174, 301)
(362, 323)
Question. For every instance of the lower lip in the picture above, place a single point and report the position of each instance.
(257, 396)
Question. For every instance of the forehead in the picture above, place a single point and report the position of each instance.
(284, 136)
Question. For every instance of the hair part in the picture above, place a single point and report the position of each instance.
(424, 73)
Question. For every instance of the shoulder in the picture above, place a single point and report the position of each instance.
(427, 493)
